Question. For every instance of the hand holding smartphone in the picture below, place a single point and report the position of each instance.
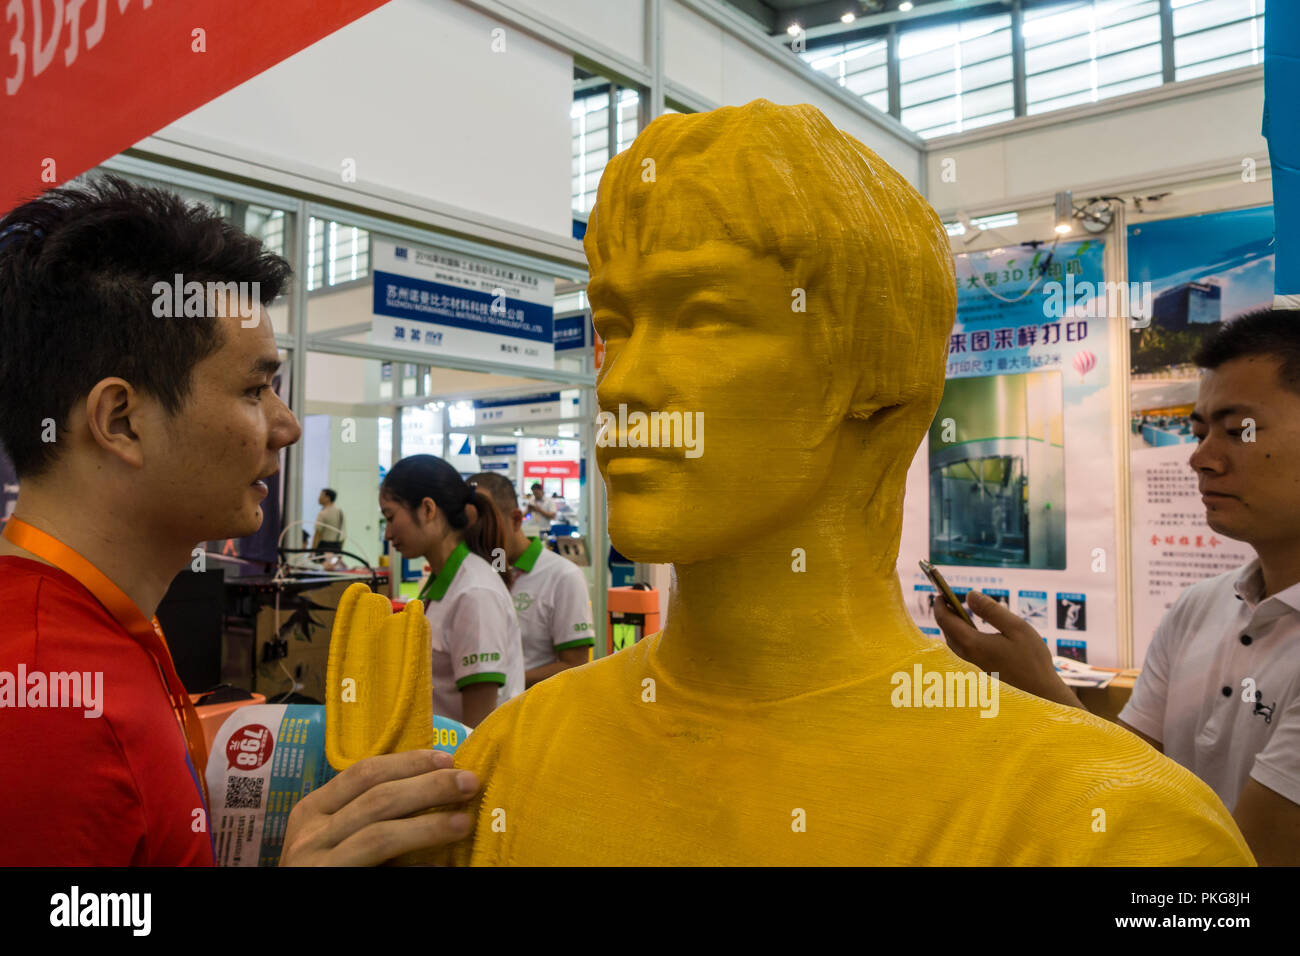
(937, 580)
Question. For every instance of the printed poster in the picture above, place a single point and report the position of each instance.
(1203, 271)
(1012, 490)
(263, 760)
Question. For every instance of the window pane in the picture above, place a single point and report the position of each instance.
(1131, 86)
(987, 47)
(1060, 53)
(922, 91)
(994, 99)
(938, 65)
(867, 82)
(1243, 37)
(1061, 102)
(1128, 35)
(1216, 66)
(932, 114)
(1045, 25)
(986, 74)
(861, 67)
(1086, 51)
(989, 118)
(1212, 13)
(926, 64)
(879, 100)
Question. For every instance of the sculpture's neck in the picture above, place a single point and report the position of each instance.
(766, 622)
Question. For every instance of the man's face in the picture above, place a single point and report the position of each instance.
(323, 499)
(1247, 459)
(206, 480)
(709, 334)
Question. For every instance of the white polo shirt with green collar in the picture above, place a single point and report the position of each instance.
(475, 632)
(550, 596)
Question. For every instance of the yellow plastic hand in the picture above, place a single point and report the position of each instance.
(379, 682)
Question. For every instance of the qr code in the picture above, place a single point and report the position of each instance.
(244, 793)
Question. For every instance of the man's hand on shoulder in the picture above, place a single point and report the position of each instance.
(374, 811)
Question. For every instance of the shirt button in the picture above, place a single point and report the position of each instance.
(1246, 638)
(1227, 692)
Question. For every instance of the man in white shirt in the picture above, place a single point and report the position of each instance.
(1220, 688)
(537, 508)
(550, 593)
(330, 530)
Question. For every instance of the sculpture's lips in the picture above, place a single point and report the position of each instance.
(630, 465)
(621, 449)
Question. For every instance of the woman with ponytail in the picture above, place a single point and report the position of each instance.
(431, 513)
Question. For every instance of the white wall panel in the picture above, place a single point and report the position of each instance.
(617, 24)
(1125, 143)
(415, 95)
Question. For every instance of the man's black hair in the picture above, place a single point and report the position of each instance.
(77, 271)
(534, 485)
(1274, 333)
(499, 488)
(331, 494)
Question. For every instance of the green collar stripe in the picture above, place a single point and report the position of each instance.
(526, 560)
(435, 589)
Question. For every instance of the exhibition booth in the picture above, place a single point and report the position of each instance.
(429, 170)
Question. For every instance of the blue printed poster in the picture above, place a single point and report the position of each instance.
(1012, 490)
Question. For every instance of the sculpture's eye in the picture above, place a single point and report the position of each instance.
(610, 326)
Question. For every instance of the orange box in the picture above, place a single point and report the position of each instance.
(634, 611)
(213, 716)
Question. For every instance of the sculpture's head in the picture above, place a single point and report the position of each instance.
(758, 272)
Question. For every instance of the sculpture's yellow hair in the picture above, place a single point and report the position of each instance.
(783, 182)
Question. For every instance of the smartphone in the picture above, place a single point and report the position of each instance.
(936, 578)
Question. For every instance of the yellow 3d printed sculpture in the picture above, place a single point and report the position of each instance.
(379, 679)
(773, 278)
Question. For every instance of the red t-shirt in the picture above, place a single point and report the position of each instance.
(78, 790)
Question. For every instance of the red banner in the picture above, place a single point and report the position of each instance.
(84, 79)
(550, 469)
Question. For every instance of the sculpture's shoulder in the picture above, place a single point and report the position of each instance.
(1111, 798)
(548, 723)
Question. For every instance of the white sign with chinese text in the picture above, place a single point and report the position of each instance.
(445, 303)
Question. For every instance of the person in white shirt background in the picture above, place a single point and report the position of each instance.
(550, 592)
(431, 513)
(1219, 691)
(542, 515)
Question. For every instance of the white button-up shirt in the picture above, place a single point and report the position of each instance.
(1220, 688)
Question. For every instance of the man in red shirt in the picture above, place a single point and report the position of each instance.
(140, 426)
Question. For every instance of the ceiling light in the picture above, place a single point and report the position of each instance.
(848, 17)
(905, 6)
(1064, 212)
(794, 29)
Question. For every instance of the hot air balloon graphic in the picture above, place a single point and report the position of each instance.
(1084, 363)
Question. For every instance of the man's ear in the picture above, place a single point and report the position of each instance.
(109, 408)
(517, 519)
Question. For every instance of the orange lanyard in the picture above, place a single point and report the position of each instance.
(148, 633)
